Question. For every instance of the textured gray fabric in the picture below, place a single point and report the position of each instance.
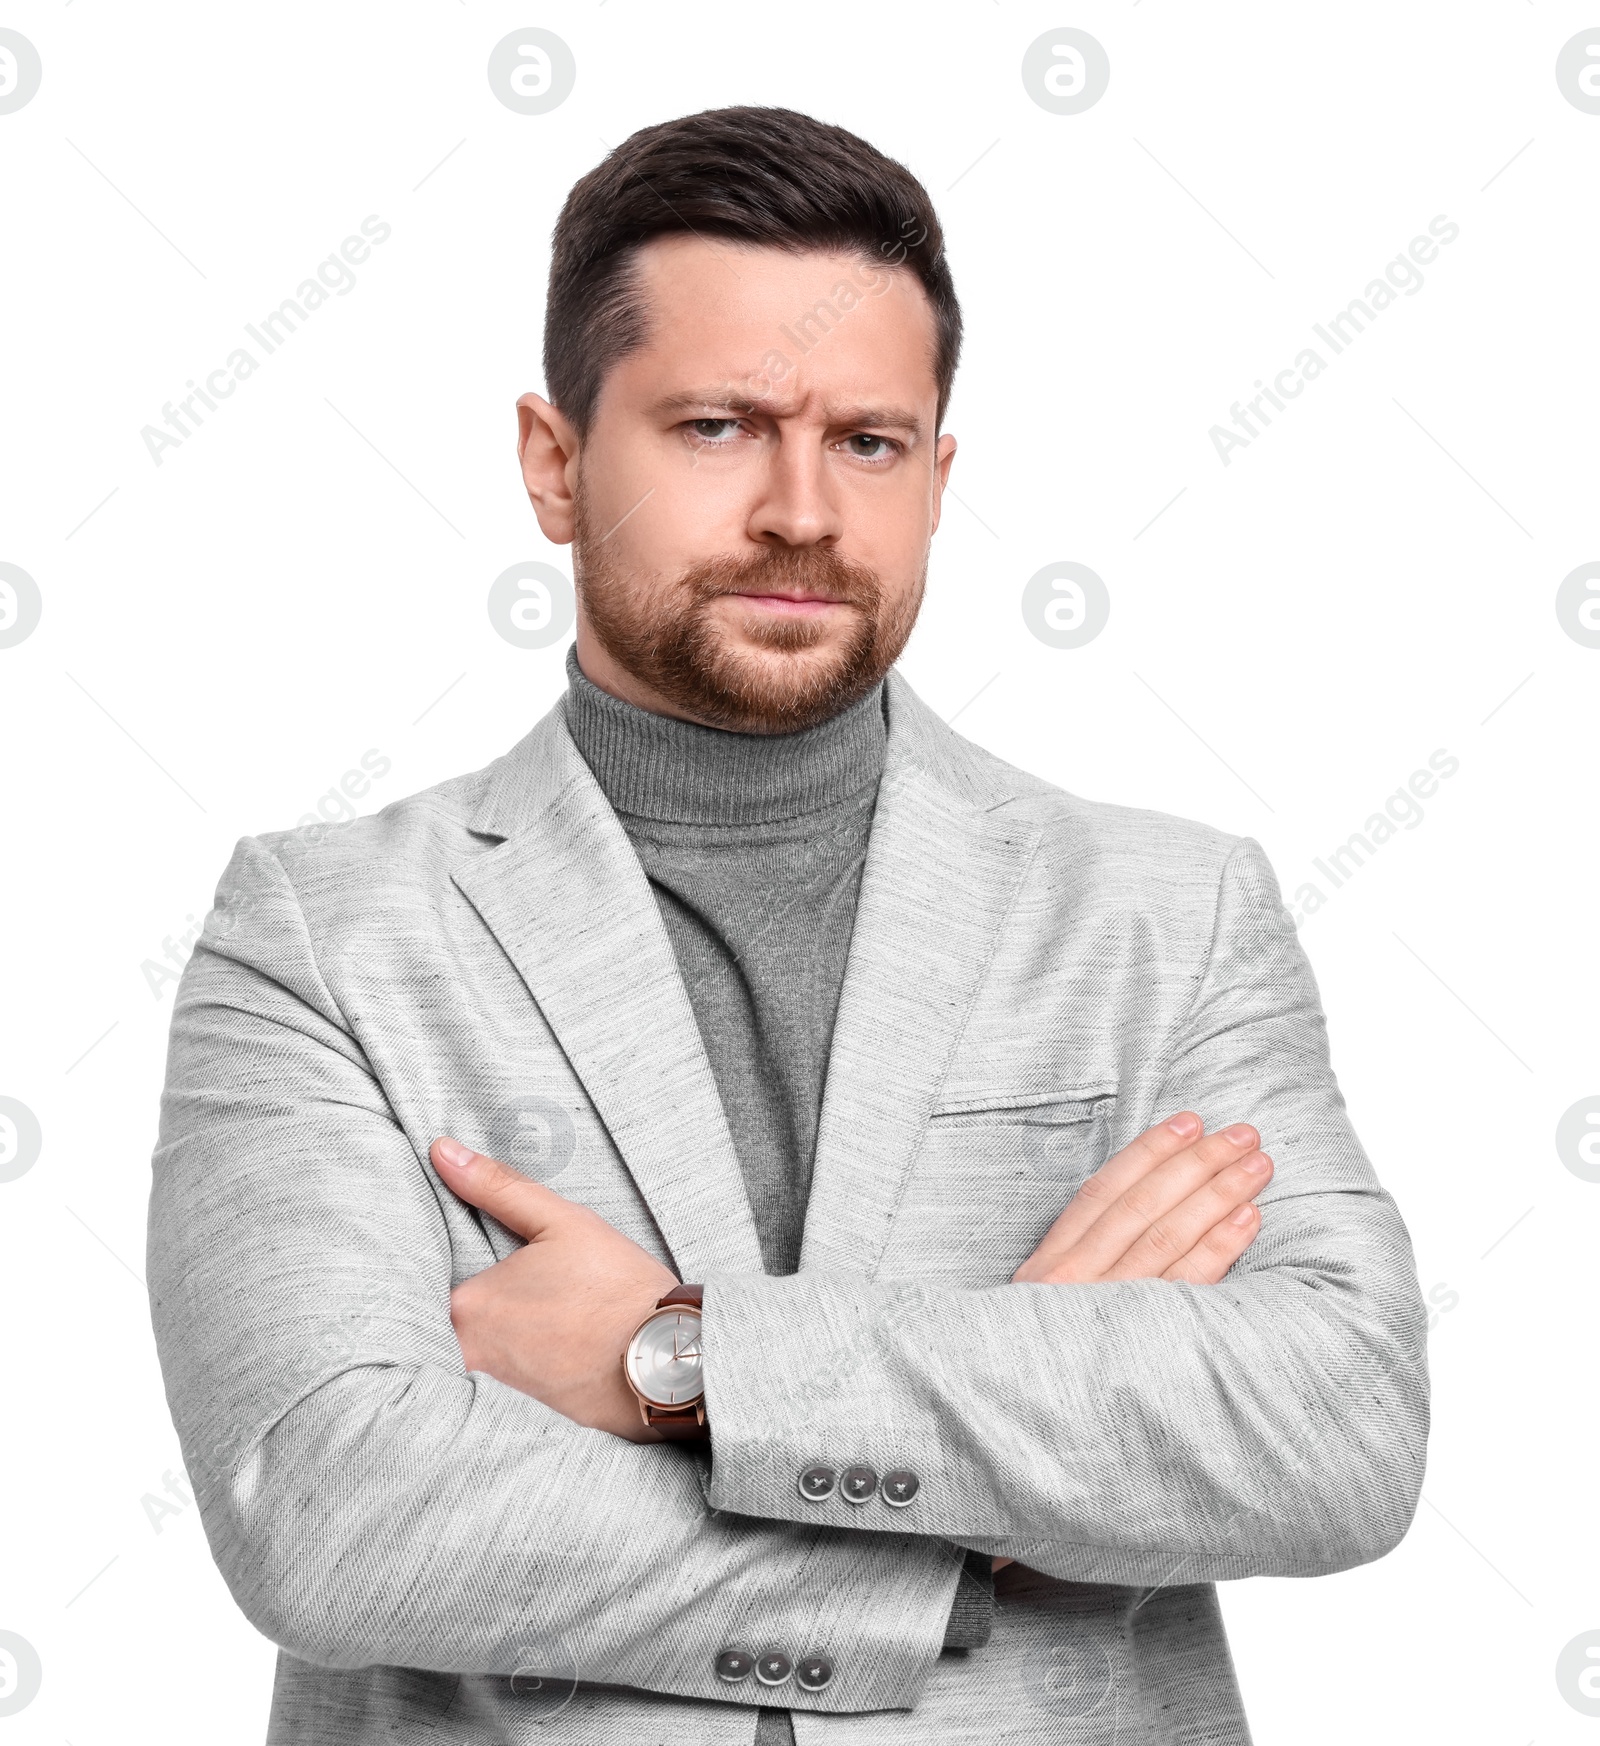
(1033, 979)
(753, 846)
(656, 767)
(971, 1620)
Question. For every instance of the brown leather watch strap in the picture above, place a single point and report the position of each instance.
(678, 1425)
(694, 1294)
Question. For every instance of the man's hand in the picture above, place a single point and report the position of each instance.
(1169, 1205)
(554, 1318)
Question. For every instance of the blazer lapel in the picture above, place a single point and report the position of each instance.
(942, 870)
(566, 898)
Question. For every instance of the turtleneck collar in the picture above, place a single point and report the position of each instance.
(657, 767)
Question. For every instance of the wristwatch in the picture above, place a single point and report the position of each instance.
(663, 1366)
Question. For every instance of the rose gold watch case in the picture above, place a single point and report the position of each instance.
(677, 1410)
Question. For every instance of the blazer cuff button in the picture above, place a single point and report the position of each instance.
(734, 1665)
(900, 1485)
(817, 1483)
(815, 1673)
(858, 1484)
(774, 1667)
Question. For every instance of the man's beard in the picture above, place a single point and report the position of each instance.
(664, 632)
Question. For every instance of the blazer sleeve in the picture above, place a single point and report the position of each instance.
(366, 1498)
(1141, 1431)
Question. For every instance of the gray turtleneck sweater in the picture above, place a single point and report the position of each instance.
(753, 845)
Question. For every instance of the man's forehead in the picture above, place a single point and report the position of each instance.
(722, 265)
(819, 334)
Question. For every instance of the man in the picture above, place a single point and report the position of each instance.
(889, 1207)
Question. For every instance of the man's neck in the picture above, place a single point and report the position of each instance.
(663, 767)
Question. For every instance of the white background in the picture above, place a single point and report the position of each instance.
(1291, 636)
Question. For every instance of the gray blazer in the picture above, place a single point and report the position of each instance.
(1033, 980)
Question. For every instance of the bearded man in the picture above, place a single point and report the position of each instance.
(748, 1218)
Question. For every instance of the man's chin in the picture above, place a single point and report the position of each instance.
(752, 687)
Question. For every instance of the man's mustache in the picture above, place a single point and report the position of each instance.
(812, 570)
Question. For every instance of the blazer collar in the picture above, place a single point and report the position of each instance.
(565, 896)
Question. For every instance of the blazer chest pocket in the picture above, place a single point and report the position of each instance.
(991, 1177)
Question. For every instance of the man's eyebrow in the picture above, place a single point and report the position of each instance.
(895, 417)
(729, 398)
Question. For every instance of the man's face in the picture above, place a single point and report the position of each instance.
(752, 506)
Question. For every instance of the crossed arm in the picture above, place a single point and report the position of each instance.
(371, 1498)
(553, 1318)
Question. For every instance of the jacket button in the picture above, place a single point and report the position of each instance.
(814, 1673)
(773, 1667)
(900, 1485)
(734, 1665)
(816, 1483)
(858, 1484)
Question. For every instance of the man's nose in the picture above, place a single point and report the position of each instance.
(796, 505)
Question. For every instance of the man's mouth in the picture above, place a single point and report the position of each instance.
(799, 605)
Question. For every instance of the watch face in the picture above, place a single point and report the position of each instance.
(664, 1358)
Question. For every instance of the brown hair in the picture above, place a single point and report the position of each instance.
(771, 177)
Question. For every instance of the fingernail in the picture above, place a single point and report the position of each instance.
(1184, 1125)
(1244, 1215)
(1241, 1133)
(453, 1152)
(1259, 1165)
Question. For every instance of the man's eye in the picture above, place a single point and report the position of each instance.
(714, 430)
(871, 448)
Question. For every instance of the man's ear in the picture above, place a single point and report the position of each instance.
(547, 448)
(943, 454)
